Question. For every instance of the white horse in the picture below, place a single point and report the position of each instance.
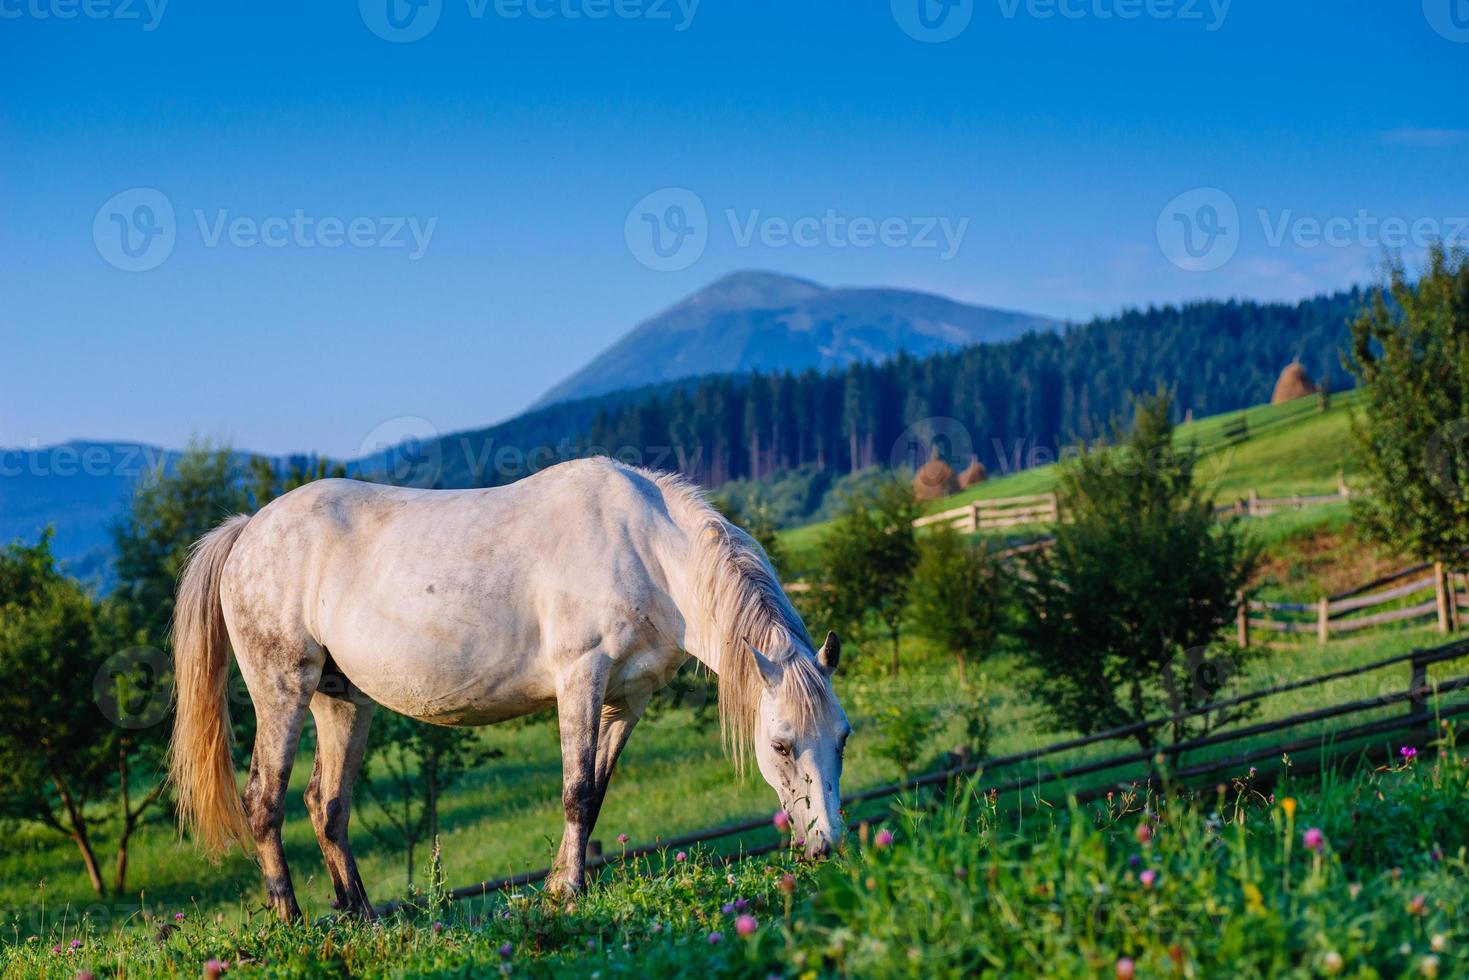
(585, 586)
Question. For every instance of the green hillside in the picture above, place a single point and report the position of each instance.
(1291, 448)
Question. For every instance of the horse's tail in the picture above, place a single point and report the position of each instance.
(201, 769)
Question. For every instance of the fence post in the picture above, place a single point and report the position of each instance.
(1254, 504)
(974, 516)
(1441, 593)
(1242, 620)
(1323, 617)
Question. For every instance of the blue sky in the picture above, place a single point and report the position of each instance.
(1076, 150)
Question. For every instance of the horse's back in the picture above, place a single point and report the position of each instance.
(427, 596)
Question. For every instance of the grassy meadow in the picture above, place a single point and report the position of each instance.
(1358, 873)
(963, 890)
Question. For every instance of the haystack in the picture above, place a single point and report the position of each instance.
(935, 479)
(973, 473)
(1294, 383)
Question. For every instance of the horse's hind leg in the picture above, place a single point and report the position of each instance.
(281, 676)
(342, 723)
(579, 696)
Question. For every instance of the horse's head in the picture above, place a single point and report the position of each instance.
(800, 732)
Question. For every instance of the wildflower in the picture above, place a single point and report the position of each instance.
(1313, 839)
(507, 951)
(746, 925)
(178, 917)
(884, 837)
(715, 938)
(1408, 753)
(1288, 804)
(622, 838)
(800, 842)
(657, 927)
(55, 949)
(213, 968)
(1126, 969)
(1439, 942)
(438, 928)
(740, 904)
(1429, 966)
(76, 944)
(727, 908)
(787, 883)
(960, 873)
(1148, 877)
(1331, 963)
(782, 821)
(85, 975)
(1354, 889)
(1135, 860)
(1144, 833)
(1418, 906)
(1253, 770)
(681, 857)
(1436, 854)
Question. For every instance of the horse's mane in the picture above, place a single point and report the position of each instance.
(738, 599)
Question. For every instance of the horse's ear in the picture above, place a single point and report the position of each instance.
(769, 672)
(830, 654)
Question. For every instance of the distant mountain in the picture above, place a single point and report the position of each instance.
(77, 488)
(1017, 402)
(762, 321)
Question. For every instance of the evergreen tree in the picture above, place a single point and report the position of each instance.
(1124, 615)
(1410, 350)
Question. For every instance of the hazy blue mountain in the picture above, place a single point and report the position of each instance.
(762, 321)
(77, 488)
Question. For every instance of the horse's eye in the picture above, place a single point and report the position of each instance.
(781, 749)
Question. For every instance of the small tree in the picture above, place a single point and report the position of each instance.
(957, 599)
(60, 754)
(868, 556)
(1123, 612)
(408, 766)
(1410, 350)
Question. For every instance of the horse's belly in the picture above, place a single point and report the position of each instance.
(445, 670)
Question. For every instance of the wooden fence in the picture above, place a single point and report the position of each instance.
(997, 513)
(1438, 593)
(1042, 508)
(1254, 505)
(1424, 699)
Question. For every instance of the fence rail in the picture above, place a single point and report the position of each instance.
(1424, 699)
(1329, 613)
(997, 513)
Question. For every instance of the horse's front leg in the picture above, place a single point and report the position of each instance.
(579, 697)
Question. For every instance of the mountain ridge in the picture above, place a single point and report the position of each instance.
(755, 320)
